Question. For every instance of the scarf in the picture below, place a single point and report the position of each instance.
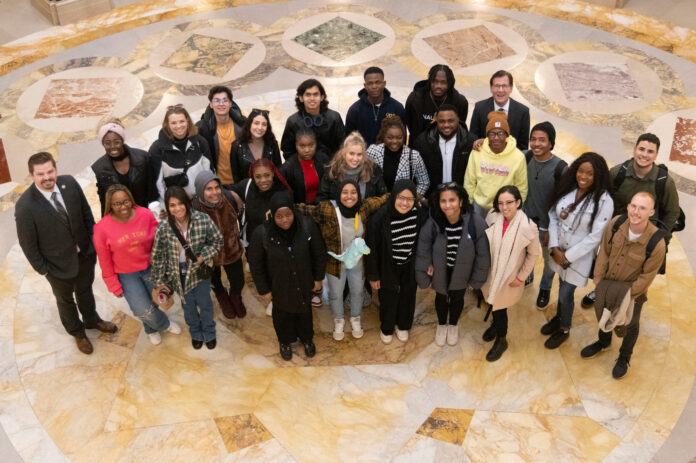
(501, 249)
(348, 212)
(354, 174)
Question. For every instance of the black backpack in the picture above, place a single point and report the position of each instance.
(659, 234)
(660, 185)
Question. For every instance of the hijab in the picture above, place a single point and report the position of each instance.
(280, 200)
(399, 187)
(348, 212)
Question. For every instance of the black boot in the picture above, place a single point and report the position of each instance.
(489, 334)
(500, 323)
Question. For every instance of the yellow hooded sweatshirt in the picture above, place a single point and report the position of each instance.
(487, 172)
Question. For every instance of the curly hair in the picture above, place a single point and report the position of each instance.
(303, 87)
(390, 122)
(434, 202)
(268, 137)
(449, 75)
(600, 184)
(338, 166)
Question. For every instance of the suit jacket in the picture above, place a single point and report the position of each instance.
(48, 243)
(518, 119)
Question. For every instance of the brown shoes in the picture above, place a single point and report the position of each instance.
(238, 305)
(225, 303)
(106, 327)
(84, 345)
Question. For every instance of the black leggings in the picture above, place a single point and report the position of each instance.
(397, 305)
(450, 304)
(235, 275)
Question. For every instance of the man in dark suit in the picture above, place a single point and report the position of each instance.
(54, 226)
(517, 113)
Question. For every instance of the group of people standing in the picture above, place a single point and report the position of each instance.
(396, 199)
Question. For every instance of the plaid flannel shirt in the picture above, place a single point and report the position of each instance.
(324, 214)
(206, 241)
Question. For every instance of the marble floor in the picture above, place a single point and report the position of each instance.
(600, 76)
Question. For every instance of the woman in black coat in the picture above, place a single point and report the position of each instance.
(305, 171)
(287, 259)
(392, 235)
(123, 165)
(255, 142)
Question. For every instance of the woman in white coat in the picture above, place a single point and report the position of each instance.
(514, 245)
(581, 209)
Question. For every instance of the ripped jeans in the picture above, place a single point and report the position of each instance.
(137, 289)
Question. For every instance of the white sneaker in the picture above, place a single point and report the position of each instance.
(174, 328)
(155, 338)
(386, 338)
(269, 309)
(356, 326)
(441, 335)
(452, 334)
(339, 323)
(402, 335)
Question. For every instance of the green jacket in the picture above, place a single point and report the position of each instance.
(206, 241)
(667, 211)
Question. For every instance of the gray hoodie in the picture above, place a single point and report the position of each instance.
(202, 179)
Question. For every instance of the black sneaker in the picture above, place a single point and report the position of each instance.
(196, 344)
(310, 349)
(543, 298)
(620, 368)
(489, 334)
(556, 339)
(593, 349)
(588, 300)
(499, 346)
(286, 351)
(551, 326)
(211, 344)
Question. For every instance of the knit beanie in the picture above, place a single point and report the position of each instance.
(548, 129)
(497, 120)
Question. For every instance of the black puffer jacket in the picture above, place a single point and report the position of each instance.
(241, 158)
(168, 161)
(288, 273)
(379, 263)
(329, 135)
(328, 187)
(293, 173)
(207, 128)
(141, 177)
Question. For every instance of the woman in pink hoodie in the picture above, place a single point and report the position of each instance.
(123, 240)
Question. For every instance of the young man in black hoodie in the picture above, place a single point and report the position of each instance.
(428, 96)
(220, 125)
(445, 147)
(375, 103)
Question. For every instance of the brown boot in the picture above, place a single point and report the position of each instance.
(84, 345)
(106, 327)
(238, 305)
(225, 303)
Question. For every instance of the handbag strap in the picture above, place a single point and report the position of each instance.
(184, 243)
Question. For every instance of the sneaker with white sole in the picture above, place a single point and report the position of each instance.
(155, 338)
(269, 309)
(441, 335)
(452, 334)
(339, 323)
(356, 327)
(174, 328)
(316, 299)
(401, 335)
(386, 338)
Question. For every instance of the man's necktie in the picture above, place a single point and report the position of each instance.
(60, 208)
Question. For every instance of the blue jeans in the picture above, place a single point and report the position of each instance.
(137, 289)
(354, 276)
(198, 312)
(547, 275)
(566, 303)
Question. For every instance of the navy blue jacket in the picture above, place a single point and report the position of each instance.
(366, 118)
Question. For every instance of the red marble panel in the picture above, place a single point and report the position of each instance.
(596, 82)
(4, 168)
(89, 97)
(684, 143)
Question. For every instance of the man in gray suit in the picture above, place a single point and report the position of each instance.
(54, 227)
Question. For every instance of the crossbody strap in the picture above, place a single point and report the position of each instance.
(184, 243)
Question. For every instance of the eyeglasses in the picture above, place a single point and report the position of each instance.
(497, 135)
(176, 106)
(506, 203)
(220, 101)
(124, 203)
(500, 86)
(445, 186)
(406, 199)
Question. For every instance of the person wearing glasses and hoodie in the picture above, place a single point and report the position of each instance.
(313, 112)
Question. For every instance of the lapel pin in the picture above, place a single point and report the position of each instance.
(62, 187)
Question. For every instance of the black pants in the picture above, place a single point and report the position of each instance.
(290, 326)
(81, 288)
(235, 275)
(629, 340)
(450, 304)
(396, 306)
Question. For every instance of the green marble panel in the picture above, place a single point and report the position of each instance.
(338, 38)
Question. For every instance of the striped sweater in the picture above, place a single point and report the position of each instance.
(403, 237)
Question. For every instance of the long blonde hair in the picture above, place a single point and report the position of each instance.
(338, 166)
